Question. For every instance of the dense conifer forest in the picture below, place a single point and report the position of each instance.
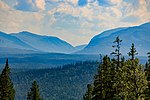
(114, 78)
(67, 82)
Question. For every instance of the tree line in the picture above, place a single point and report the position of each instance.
(54, 83)
(120, 79)
(116, 79)
(7, 91)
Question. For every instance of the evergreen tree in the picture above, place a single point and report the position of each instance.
(117, 50)
(103, 83)
(121, 80)
(132, 52)
(34, 92)
(88, 94)
(98, 83)
(7, 91)
(135, 80)
(116, 64)
(131, 80)
(147, 70)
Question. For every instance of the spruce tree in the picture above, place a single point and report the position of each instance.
(132, 79)
(122, 80)
(34, 92)
(135, 80)
(88, 94)
(147, 70)
(7, 91)
(117, 50)
(103, 83)
(116, 63)
(132, 52)
(98, 83)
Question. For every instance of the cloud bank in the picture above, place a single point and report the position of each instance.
(71, 20)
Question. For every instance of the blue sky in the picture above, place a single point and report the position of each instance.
(75, 21)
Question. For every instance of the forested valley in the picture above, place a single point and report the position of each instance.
(114, 78)
(67, 82)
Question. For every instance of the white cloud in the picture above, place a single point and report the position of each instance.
(83, 22)
(116, 1)
(141, 12)
(74, 2)
(40, 4)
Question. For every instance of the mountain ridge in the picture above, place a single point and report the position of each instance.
(6, 40)
(44, 43)
(101, 43)
(139, 35)
(27, 41)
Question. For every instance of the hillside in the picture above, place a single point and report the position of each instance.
(66, 83)
(44, 43)
(102, 43)
(8, 41)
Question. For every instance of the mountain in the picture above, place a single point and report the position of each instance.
(8, 41)
(44, 43)
(102, 43)
(107, 33)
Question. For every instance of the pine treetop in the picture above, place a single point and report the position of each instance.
(132, 52)
(7, 91)
(34, 92)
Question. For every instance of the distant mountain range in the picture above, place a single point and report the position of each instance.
(27, 42)
(44, 43)
(102, 43)
(7, 40)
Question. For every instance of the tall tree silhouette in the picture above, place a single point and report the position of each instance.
(132, 52)
(34, 92)
(88, 94)
(103, 82)
(7, 91)
(117, 53)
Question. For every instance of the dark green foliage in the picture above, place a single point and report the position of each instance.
(128, 83)
(121, 80)
(132, 52)
(148, 57)
(7, 91)
(34, 92)
(117, 63)
(103, 84)
(135, 81)
(147, 70)
(88, 94)
(68, 82)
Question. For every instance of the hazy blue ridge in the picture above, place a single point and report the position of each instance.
(27, 42)
(102, 43)
(44, 43)
(8, 41)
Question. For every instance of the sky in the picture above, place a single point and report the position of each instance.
(75, 21)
